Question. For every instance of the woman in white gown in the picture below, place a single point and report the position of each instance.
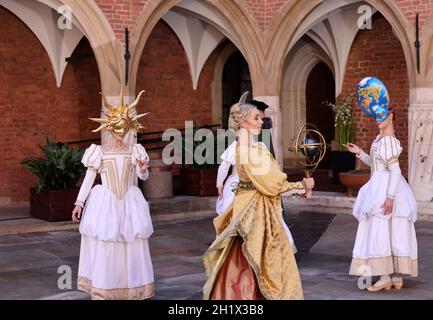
(115, 260)
(386, 209)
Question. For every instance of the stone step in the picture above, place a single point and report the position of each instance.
(18, 220)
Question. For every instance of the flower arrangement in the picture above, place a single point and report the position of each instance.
(343, 120)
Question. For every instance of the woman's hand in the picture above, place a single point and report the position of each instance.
(76, 214)
(353, 148)
(388, 206)
(309, 184)
(220, 192)
(143, 165)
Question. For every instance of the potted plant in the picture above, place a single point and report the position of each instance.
(354, 180)
(199, 178)
(342, 159)
(58, 173)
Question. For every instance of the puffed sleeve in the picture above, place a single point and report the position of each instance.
(223, 170)
(229, 155)
(139, 154)
(264, 172)
(92, 157)
(228, 159)
(389, 151)
(92, 160)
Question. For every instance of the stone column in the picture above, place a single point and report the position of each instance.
(421, 145)
(274, 112)
(131, 137)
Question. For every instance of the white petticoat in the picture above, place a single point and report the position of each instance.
(228, 194)
(107, 218)
(385, 244)
(124, 268)
(115, 261)
(373, 194)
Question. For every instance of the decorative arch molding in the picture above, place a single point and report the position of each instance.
(299, 16)
(41, 19)
(303, 57)
(215, 19)
(88, 20)
(107, 48)
(426, 55)
(198, 33)
(216, 86)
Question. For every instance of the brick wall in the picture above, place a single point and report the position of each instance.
(411, 7)
(377, 52)
(32, 106)
(122, 14)
(264, 10)
(164, 74)
(125, 13)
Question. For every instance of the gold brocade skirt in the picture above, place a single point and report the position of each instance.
(251, 257)
(236, 279)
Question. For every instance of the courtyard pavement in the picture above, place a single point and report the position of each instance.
(29, 262)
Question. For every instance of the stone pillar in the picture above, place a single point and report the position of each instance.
(421, 145)
(131, 137)
(274, 112)
(217, 102)
(293, 107)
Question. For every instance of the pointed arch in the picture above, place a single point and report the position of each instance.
(285, 26)
(228, 17)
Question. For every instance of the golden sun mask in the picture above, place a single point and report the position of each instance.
(121, 118)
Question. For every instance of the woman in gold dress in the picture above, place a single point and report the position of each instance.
(252, 258)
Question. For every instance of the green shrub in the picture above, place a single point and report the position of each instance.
(61, 169)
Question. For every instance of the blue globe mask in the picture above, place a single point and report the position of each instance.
(380, 114)
(373, 98)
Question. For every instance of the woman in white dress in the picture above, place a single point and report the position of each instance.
(385, 244)
(225, 193)
(115, 260)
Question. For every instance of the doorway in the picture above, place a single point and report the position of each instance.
(235, 81)
(320, 88)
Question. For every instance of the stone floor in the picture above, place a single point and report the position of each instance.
(29, 262)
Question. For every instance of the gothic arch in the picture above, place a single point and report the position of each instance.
(216, 86)
(227, 16)
(285, 25)
(106, 47)
(303, 58)
(41, 20)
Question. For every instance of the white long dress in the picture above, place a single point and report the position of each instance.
(385, 244)
(229, 161)
(115, 227)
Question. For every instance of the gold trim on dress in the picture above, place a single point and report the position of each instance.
(384, 266)
(109, 169)
(138, 293)
(392, 160)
